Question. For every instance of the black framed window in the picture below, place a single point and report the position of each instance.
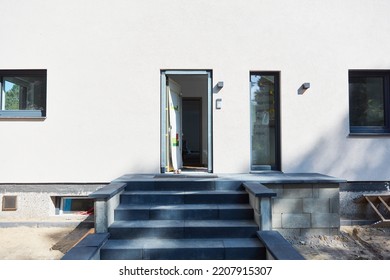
(265, 120)
(23, 93)
(369, 96)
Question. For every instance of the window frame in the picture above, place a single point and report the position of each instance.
(35, 114)
(74, 212)
(277, 97)
(372, 130)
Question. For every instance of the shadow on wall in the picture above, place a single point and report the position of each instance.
(355, 158)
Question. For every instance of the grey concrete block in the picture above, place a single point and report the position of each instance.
(276, 221)
(325, 191)
(334, 204)
(316, 205)
(296, 220)
(316, 192)
(287, 205)
(277, 188)
(297, 191)
(325, 220)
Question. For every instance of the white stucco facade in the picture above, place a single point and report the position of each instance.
(104, 59)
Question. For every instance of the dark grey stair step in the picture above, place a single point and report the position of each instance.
(170, 229)
(183, 185)
(183, 212)
(170, 185)
(183, 249)
(180, 197)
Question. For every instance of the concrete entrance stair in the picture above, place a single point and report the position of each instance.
(187, 216)
(183, 220)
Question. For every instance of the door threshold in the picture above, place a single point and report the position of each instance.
(186, 175)
(191, 169)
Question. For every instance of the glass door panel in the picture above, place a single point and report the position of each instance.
(264, 100)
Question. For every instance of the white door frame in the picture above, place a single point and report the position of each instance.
(163, 120)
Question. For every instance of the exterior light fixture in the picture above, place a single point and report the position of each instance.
(218, 104)
(220, 84)
(302, 89)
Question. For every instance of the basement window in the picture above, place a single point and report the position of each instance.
(76, 206)
(9, 203)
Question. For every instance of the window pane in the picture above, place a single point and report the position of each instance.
(23, 93)
(366, 95)
(80, 205)
(263, 120)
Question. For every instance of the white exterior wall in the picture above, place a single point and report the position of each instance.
(103, 61)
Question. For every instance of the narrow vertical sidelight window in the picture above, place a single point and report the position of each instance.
(264, 111)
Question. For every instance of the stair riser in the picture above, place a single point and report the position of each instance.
(184, 198)
(172, 210)
(183, 232)
(183, 185)
(195, 214)
(170, 186)
(184, 254)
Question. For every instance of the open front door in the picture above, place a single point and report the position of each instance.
(196, 143)
(174, 126)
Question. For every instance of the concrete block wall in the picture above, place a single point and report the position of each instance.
(29, 205)
(306, 209)
(38, 201)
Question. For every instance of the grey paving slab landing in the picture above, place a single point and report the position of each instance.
(273, 177)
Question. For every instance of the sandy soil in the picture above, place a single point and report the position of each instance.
(353, 243)
(26, 243)
(42, 243)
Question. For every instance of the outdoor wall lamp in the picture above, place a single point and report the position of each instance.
(303, 88)
(220, 85)
(218, 104)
